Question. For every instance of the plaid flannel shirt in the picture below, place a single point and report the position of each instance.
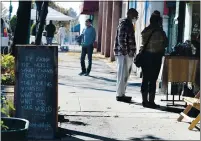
(125, 39)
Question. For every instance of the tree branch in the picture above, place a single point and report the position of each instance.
(42, 17)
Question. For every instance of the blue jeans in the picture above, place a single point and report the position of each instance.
(49, 40)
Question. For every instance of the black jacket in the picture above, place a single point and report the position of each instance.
(50, 29)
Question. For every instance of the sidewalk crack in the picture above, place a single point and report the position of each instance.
(79, 104)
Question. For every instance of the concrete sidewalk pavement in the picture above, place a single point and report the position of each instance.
(90, 105)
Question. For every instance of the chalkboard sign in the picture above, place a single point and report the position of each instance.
(36, 98)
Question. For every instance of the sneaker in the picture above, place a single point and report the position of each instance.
(82, 73)
(124, 98)
(86, 74)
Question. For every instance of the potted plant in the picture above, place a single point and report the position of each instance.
(12, 129)
(7, 70)
(8, 76)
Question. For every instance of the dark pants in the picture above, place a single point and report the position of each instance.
(150, 71)
(89, 51)
(49, 40)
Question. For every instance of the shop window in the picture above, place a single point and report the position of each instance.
(132, 4)
(195, 21)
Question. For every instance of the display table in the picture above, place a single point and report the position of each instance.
(179, 69)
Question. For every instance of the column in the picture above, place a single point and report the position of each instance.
(103, 28)
(188, 22)
(165, 18)
(116, 15)
(100, 16)
(108, 28)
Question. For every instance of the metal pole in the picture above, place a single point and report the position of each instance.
(73, 31)
(70, 34)
(35, 7)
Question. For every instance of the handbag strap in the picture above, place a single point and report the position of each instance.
(145, 46)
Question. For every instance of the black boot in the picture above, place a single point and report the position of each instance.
(82, 73)
(151, 100)
(144, 99)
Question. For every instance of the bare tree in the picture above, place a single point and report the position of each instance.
(23, 24)
(22, 30)
(42, 8)
(4, 11)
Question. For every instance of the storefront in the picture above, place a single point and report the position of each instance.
(89, 10)
(182, 65)
(192, 20)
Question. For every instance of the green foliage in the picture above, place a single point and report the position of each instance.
(3, 126)
(33, 29)
(7, 69)
(6, 106)
(7, 78)
(13, 23)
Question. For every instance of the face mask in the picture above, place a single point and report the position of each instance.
(134, 20)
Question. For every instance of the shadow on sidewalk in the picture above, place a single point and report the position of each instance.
(114, 81)
(87, 87)
(67, 135)
(147, 137)
(162, 108)
(103, 78)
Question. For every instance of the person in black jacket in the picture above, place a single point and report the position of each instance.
(50, 29)
(156, 41)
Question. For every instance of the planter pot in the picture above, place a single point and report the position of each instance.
(7, 91)
(18, 129)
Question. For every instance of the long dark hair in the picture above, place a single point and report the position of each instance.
(156, 20)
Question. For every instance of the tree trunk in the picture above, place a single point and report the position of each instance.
(39, 7)
(43, 15)
(23, 24)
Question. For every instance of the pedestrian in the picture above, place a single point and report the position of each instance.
(62, 35)
(124, 50)
(88, 38)
(50, 30)
(154, 42)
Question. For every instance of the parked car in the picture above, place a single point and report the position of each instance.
(6, 37)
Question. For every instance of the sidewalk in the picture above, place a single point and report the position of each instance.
(90, 105)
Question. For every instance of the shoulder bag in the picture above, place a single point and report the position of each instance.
(139, 57)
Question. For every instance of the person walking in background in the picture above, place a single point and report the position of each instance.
(156, 41)
(124, 50)
(88, 38)
(62, 34)
(50, 29)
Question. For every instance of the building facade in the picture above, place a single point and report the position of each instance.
(180, 21)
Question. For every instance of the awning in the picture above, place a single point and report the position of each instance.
(89, 7)
(76, 28)
(52, 15)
